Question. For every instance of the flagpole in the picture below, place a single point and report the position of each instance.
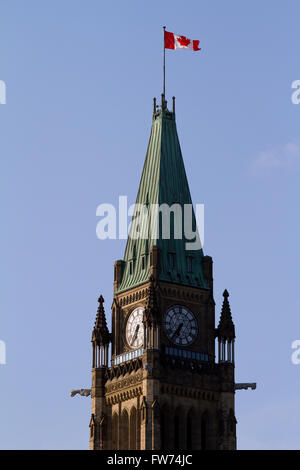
(164, 66)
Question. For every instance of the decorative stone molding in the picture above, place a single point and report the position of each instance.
(125, 368)
(127, 382)
(187, 392)
(133, 297)
(123, 396)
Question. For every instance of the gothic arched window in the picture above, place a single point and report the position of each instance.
(124, 437)
(189, 432)
(165, 427)
(204, 427)
(114, 434)
(133, 429)
(176, 431)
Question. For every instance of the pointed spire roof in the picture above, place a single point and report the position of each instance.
(226, 326)
(101, 333)
(163, 181)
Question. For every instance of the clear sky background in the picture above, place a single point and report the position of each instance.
(80, 80)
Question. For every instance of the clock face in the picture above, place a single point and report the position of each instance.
(180, 325)
(135, 328)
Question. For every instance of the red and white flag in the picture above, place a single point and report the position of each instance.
(173, 41)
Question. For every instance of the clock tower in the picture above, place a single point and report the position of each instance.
(163, 378)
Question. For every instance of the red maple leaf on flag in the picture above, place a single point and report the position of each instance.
(183, 41)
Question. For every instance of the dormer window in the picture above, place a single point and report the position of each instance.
(189, 260)
(143, 261)
(130, 267)
(172, 260)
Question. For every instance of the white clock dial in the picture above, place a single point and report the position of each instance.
(135, 328)
(180, 325)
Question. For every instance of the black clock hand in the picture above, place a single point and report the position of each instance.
(177, 330)
(135, 334)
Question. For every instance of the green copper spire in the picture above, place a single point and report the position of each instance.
(163, 181)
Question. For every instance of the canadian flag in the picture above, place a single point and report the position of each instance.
(173, 41)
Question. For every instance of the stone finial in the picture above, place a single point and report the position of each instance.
(101, 333)
(225, 328)
(226, 294)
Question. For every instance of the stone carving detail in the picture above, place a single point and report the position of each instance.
(179, 293)
(245, 386)
(125, 383)
(187, 392)
(84, 392)
(123, 396)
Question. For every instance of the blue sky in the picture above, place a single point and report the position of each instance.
(80, 80)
